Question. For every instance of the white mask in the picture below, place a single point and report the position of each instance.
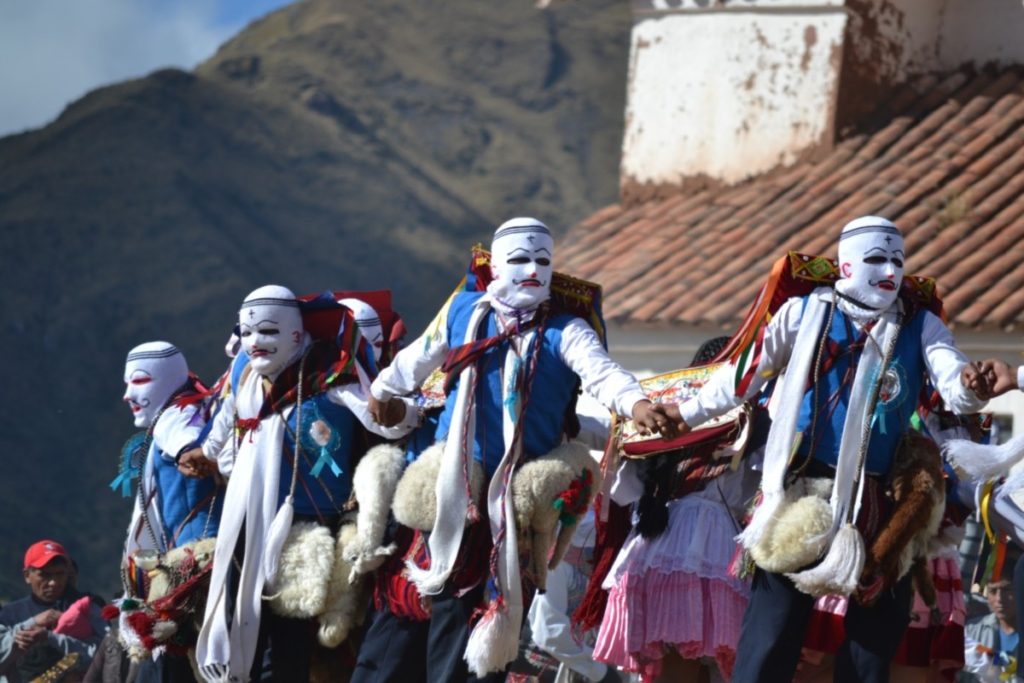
(270, 326)
(369, 324)
(521, 256)
(870, 263)
(152, 373)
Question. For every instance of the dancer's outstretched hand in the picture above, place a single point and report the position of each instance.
(652, 417)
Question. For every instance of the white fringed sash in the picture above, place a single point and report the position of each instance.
(226, 652)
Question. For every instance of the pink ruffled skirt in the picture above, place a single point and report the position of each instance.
(675, 592)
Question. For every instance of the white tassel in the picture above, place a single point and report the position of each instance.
(839, 572)
(494, 642)
(984, 462)
(764, 514)
(276, 537)
(427, 582)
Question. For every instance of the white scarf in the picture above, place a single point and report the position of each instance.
(782, 443)
(495, 637)
(227, 652)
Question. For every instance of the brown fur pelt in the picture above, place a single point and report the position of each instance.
(918, 492)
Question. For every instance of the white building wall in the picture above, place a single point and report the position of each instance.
(729, 93)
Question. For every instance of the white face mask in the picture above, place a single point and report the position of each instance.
(369, 324)
(521, 256)
(871, 262)
(270, 326)
(152, 373)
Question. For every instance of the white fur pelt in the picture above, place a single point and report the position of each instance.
(415, 504)
(345, 594)
(304, 572)
(374, 483)
(797, 534)
(535, 487)
(982, 462)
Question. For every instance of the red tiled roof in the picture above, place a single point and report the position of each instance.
(947, 167)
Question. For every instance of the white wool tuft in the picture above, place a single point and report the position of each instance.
(981, 462)
(494, 642)
(840, 571)
(304, 571)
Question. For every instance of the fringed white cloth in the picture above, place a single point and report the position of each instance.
(839, 570)
(224, 651)
(982, 462)
(494, 641)
(451, 490)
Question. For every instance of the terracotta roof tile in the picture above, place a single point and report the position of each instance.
(947, 166)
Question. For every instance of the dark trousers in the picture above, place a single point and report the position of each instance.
(775, 623)
(1018, 599)
(284, 649)
(397, 650)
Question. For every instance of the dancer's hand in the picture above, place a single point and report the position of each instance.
(989, 378)
(387, 413)
(192, 463)
(653, 417)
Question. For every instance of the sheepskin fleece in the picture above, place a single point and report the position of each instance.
(374, 483)
(798, 533)
(305, 571)
(415, 503)
(345, 596)
(535, 487)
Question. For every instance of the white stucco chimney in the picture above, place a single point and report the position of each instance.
(720, 90)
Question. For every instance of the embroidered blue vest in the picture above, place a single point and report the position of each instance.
(898, 397)
(328, 492)
(550, 394)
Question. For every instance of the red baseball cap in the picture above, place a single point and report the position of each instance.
(41, 552)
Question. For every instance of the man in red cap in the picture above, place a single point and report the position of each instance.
(54, 620)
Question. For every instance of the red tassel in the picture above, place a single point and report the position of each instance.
(610, 537)
(110, 612)
(141, 623)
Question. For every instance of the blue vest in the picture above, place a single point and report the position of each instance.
(179, 496)
(551, 393)
(326, 493)
(898, 397)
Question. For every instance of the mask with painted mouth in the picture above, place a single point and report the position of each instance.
(871, 261)
(521, 255)
(270, 327)
(152, 373)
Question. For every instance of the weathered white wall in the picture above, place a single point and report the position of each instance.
(729, 93)
(908, 37)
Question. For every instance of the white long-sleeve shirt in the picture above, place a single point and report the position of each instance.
(942, 359)
(580, 349)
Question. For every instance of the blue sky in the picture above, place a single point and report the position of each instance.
(54, 51)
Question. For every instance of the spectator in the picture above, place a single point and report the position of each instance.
(991, 641)
(41, 631)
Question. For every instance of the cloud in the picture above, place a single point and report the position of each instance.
(54, 51)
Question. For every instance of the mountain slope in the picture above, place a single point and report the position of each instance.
(329, 145)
